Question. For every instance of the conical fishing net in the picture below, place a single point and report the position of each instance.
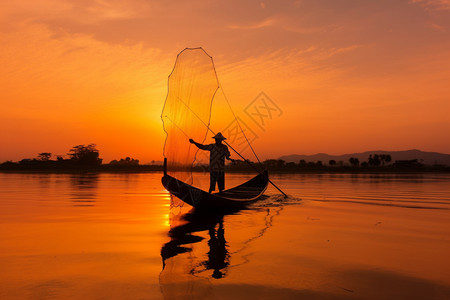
(187, 110)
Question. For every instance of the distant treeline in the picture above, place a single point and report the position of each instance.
(87, 158)
(374, 163)
(79, 158)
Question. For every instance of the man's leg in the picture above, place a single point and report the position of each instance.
(212, 181)
(221, 181)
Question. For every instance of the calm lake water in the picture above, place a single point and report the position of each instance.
(115, 236)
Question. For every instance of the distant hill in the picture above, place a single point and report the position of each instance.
(428, 158)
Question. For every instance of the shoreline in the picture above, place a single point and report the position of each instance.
(159, 169)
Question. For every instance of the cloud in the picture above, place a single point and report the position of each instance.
(311, 29)
(331, 52)
(262, 24)
(84, 11)
(307, 68)
(38, 67)
(113, 10)
(434, 4)
(436, 27)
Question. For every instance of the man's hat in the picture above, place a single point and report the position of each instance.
(219, 136)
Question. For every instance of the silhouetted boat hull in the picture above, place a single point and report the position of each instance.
(236, 197)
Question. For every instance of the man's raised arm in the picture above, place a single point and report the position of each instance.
(200, 146)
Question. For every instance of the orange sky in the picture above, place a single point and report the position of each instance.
(348, 76)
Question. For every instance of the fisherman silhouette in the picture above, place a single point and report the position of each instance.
(217, 157)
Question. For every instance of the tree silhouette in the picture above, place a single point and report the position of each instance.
(385, 158)
(270, 163)
(125, 162)
(85, 155)
(388, 158)
(44, 156)
(354, 161)
(374, 160)
(274, 163)
(332, 162)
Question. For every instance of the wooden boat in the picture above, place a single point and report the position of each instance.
(233, 198)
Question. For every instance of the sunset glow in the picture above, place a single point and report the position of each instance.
(347, 76)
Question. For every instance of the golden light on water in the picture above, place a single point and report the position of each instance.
(167, 220)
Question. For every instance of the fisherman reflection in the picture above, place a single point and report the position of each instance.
(218, 153)
(218, 255)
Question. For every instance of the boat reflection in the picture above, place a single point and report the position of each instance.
(196, 222)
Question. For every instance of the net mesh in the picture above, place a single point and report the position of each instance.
(187, 109)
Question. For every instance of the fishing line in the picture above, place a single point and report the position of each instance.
(239, 124)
